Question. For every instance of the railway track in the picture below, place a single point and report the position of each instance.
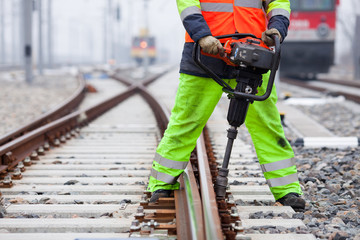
(348, 89)
(90, 183)
(61, 110)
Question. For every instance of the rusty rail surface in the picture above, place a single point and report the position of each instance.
(204, 221)
(31, 144)
(348, 83)
(17, 150)
(304, 84)
(213, 228)
(187, 200)
(59, 111)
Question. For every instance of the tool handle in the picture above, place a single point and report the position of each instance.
(226, 87)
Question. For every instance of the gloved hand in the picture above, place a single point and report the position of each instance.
(211, 45)
(266, 36)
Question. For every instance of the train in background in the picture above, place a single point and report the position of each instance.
(143, 46)
(309, 46)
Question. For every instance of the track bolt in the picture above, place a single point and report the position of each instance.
(62, 139)
(140, 212)
(7, 180)
(77, 130)
(240, 236)
(68, 136)
(151, 223)
(230, 199)
(46, 146)
(145, 229)
(41, 151)
(73, 133)
(144, 198)
(17, 174)
(56, 142)
(27, 161)
(234, 212)
(34, 156)
(135, 225)
(21, 166)
(238, 226)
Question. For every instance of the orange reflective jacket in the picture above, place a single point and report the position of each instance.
(230, 16)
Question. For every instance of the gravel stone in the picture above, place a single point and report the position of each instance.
(256, 215)
(71, 182)
(299, 215)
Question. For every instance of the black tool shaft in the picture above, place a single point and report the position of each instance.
(232, 133)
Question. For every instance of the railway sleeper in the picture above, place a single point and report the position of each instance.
(159, 223)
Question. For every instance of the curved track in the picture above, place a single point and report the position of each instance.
(59, 111)
(93, 186)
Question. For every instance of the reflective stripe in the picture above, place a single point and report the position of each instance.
(276, 182)
(278, 11)
(163, 177)
(170, 163)
(249, 3)
(216, 7)
(268, 167)
(189, 11)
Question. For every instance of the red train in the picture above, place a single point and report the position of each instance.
(309, 46)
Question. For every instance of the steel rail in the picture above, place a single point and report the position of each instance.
(17, 150)
(348, 83)
(58, 111)
(303, 84)
(187, 199)
(212, 221)
(20, 143)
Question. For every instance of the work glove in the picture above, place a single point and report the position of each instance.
(211, 45)
(266, 36)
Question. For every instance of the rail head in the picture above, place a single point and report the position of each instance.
(190, 208)
(17, 150)
(212, 221)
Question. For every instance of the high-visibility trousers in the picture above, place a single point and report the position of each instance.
(195, 101)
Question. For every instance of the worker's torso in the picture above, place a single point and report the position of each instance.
(230, 16)
(224, 17)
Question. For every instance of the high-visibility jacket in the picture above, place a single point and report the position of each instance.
(218, 17)
(189, 115)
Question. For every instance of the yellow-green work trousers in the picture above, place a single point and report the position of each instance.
(195, 101)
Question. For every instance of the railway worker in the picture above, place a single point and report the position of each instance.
(197, 95)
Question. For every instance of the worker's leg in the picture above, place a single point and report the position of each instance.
(195, 100)
(272, 148)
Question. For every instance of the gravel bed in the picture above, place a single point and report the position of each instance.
(20, 103)
(330, 179)
(337, 118)
(331, 184)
